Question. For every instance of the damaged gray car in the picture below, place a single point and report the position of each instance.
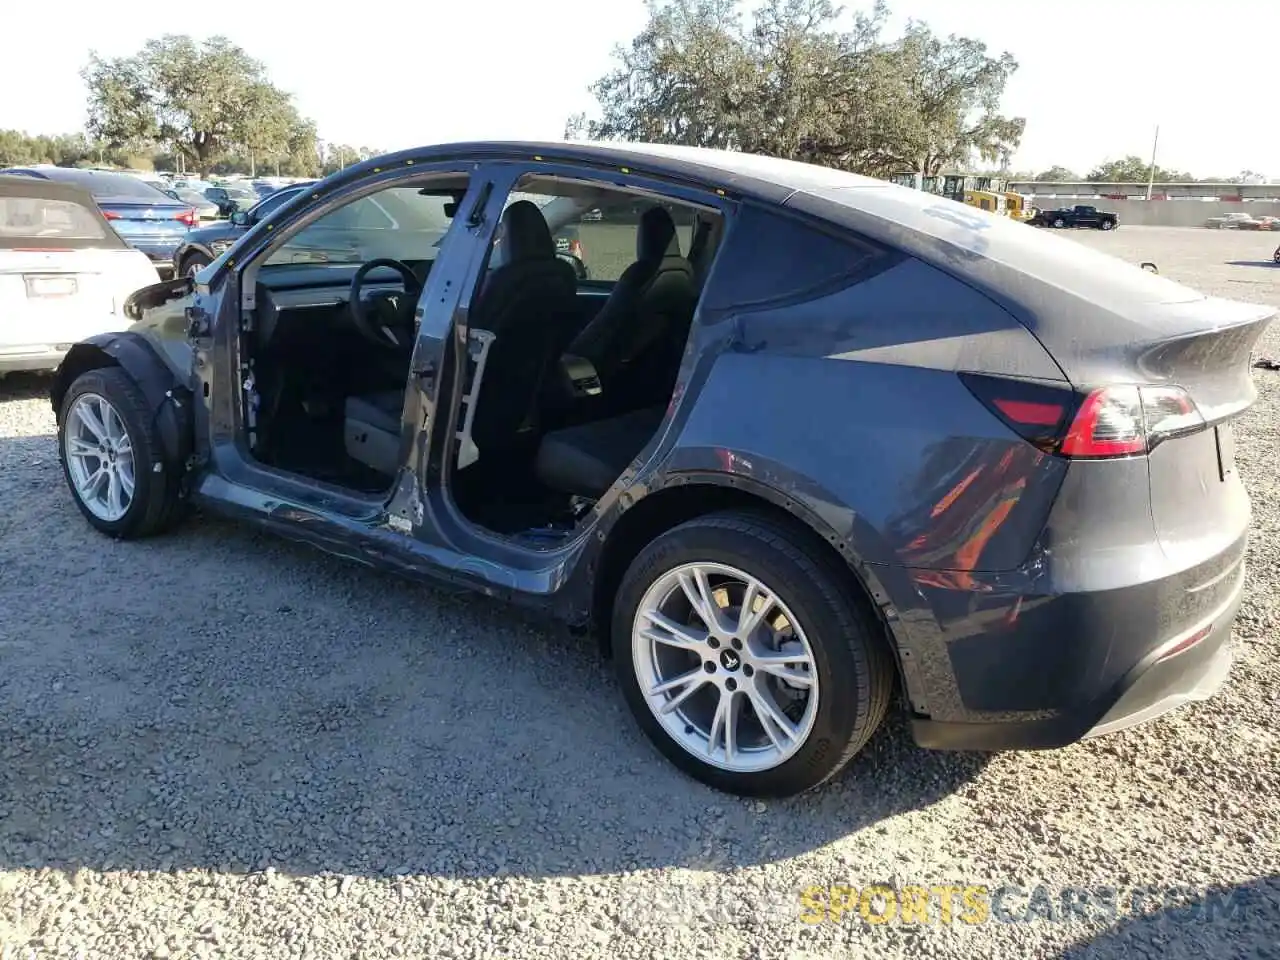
(791, 442)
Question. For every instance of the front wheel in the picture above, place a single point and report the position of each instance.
(746, 659)
(1108, 225)
(113, 459)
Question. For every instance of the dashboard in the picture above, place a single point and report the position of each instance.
(315, 296)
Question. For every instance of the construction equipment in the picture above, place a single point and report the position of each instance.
(986, 193)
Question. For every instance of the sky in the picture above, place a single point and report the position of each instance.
(1096, 76)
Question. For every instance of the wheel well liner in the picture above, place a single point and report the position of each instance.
(692, 496)
(170, 402)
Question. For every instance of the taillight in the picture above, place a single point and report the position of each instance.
(1037, 412)
(1108, 424)
(189, 218)
(1117, 421)
(108, 215)
(575, 249)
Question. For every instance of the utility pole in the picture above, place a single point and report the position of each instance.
(1151, 174)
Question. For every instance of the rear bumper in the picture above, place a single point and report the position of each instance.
(33, 357)
(158, 251)
(1102, 684)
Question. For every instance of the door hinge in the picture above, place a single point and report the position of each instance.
(198, 323)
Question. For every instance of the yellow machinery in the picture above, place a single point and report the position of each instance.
(1019, 206)
(985, 193)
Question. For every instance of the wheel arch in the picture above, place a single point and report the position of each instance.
(688, 496)
(169, 400)
(195, 249)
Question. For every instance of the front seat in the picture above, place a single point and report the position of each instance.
(643, 326)
(529, 302)
(371, 432)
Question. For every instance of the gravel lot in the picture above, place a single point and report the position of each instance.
(219, 744)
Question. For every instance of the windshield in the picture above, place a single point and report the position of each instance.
(399, 222)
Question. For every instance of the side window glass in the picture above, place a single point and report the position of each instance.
(770, 257)
(403, 223)
(598, 228)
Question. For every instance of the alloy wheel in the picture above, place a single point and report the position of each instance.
(725, 667)
(99, 457)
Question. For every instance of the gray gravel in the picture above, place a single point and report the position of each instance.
(219, 744)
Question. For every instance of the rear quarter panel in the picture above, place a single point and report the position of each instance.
(833, 381)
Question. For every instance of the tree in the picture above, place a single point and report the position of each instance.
(1057, 175)
(798, 82)
(203, 101)
(1133, 169)
(953, 102)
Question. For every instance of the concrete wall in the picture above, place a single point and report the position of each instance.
(1167, 213)
(1216, 191)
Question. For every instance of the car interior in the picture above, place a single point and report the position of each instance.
(574, 345)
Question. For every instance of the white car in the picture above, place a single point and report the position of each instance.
(64, 272)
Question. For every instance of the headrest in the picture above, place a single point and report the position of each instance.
(522, 235)
(657, 236)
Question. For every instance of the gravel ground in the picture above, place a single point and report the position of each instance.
(219, 744)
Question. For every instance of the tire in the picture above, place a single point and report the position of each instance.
(849, 657)
(1059, 223)
(156, 502)
(193, 263)
(1108, 225)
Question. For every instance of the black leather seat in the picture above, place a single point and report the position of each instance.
(529, 302)
(636, 340)
(586, 459)
(372, 430)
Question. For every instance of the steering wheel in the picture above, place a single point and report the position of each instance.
(385, 318)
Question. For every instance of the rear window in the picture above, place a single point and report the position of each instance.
(117, 185)
(38, 218)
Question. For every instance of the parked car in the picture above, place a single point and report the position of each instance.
(1081, 215)
(205, 244)
(1276, 256)
(1231, 221)
(231, 197)
(850, 439)
(205, 209)
(64, 273)
(147, 219)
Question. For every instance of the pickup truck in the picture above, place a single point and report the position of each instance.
(1077, 216)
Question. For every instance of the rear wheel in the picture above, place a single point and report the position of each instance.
(113, 459)
(746, 659)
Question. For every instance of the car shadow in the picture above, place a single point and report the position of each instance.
(218, 698)
(1251, 263)
(1242, 920)
(25, 386)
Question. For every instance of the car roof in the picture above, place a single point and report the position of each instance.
(86, 178)
(937, 229)
(46, 189)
